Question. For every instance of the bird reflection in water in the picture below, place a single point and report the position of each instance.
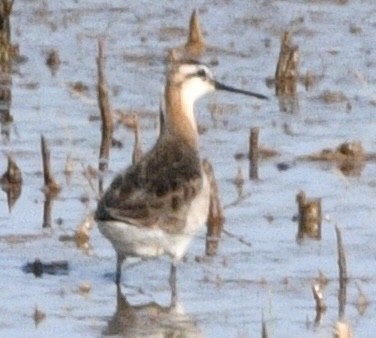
(150, 320)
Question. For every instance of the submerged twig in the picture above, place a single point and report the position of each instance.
(47, 212)
(341, 257)
(362, 301)
(319, 300)
(264, 330)
(239, 182)
(137, 149)
(38, 316)
(238, 238)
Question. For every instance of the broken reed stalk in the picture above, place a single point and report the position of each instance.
(286, 75)
(343, 278)
(215, 218)
(50, 188)
(105, 110)
(5, 11)
(309, 218)
(253, 153)
(195, 44)
(6, 54)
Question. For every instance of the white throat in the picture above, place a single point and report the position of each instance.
(188, 99)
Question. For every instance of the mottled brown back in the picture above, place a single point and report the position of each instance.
(157, 190)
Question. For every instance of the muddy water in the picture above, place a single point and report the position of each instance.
(225, 296)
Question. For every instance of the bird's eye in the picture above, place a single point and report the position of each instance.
(201, 73)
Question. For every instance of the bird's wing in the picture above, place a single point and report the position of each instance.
(169, 211)
(159, 198)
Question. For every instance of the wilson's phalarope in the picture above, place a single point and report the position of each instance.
(157, 205)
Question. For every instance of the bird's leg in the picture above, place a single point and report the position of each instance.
(119, 261)
(172, 281)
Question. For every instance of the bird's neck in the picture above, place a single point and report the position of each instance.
(179, 114)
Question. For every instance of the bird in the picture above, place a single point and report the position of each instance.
(156, 205)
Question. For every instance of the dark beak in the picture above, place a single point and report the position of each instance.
(221, 86)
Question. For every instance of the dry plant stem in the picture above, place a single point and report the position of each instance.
(215, 218)
(343, 278)
(195, 44)
(362, 301)
(105, 110)
(50, 185)
(300, 199)
(238, 238)
(286, 75)
(253, 153)
(6, 55)
(230, 234)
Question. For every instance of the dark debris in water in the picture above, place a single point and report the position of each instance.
(38, 268)
(349, 156)
(283, 166)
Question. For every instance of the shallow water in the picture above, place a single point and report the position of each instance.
(225, 296)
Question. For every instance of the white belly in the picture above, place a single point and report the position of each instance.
(130, 240)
